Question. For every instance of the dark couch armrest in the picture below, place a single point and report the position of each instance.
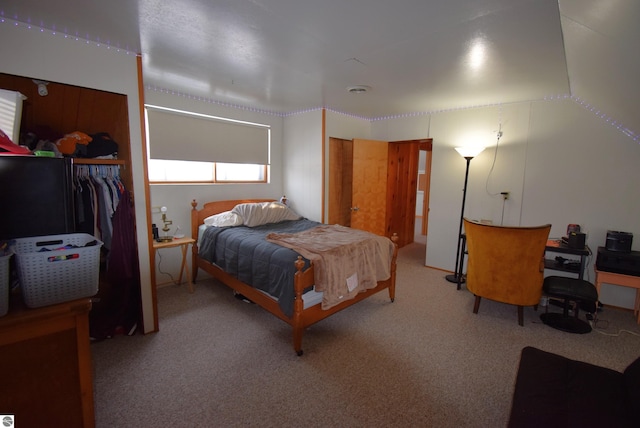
(632, 383)
(554, 391)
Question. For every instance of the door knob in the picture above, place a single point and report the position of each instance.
(355, 209)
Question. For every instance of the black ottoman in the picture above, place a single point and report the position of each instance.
(582, 292)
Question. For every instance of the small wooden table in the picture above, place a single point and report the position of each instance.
(183, 243)
(623, 281)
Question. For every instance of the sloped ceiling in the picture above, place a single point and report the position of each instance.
(601, 41)
(417, 56)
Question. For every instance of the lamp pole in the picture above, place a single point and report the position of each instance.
(457, 276)
(467, 153)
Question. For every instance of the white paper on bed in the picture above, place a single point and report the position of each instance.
(339, 255)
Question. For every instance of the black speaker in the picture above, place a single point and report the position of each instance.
(619, 241)
(577, 240)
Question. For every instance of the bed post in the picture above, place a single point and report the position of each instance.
(298, 307)
(392, 286)
(194, 235)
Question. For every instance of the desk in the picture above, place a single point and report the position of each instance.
(184, 244)
(623, 281)
(557, 246)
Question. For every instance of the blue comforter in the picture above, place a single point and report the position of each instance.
(244, 253)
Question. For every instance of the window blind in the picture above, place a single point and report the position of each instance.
(179, 135)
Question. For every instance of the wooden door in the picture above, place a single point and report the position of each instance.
(369, 190)
(402, 187)
(340, 181)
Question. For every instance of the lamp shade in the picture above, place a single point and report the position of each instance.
(469, 151)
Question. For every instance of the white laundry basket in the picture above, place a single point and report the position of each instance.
(49, 273)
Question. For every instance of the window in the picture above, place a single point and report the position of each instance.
(196, 148)
(173, 171)
(240, 172)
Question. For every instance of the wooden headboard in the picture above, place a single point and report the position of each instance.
(215, 207)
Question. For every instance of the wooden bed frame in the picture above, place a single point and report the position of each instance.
(301, 318)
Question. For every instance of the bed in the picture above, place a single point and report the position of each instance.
(295, 301)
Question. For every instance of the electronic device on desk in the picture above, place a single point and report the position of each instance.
(575, 239)
(625, 263)
(619, 241)
(616, 256)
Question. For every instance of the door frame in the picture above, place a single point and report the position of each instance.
(425, 144)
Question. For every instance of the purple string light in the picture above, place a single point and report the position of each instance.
(55, 32)
(98, 43)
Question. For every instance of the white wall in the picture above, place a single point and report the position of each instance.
(561, 164)
(51, 56)
(302, 161)
(401, 128)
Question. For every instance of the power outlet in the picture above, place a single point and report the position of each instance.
(505, 195)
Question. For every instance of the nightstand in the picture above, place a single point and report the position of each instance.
(183, 243)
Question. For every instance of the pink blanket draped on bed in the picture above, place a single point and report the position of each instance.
(346, 261)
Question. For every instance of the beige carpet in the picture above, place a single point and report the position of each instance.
(424, 360)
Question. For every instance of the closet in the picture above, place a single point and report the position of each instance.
(66, 109)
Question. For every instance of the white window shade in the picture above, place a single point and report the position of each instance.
(175, 135)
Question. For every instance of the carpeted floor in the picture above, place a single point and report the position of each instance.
(424, 360)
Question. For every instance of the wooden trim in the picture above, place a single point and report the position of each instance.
(426, 194)
(91, 161)
(426, 144)
(147, 202)
(324, 157)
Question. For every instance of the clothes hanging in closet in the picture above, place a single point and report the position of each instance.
(119, 308)
(98, 190)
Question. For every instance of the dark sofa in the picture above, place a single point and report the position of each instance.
(554, 391)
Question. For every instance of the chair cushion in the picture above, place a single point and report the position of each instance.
(570, 288)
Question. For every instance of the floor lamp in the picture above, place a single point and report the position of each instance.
(468, 153)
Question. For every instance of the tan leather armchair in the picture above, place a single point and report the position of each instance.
(506, 264)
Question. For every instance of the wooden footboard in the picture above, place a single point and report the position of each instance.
(304, 278)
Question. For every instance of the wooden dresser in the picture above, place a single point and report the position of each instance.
(45, 365)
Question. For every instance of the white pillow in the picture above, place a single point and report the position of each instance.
(224, 219)
(257, 214)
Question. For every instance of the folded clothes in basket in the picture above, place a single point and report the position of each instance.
(70, 246)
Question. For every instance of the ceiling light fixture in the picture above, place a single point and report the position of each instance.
(359, 89)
